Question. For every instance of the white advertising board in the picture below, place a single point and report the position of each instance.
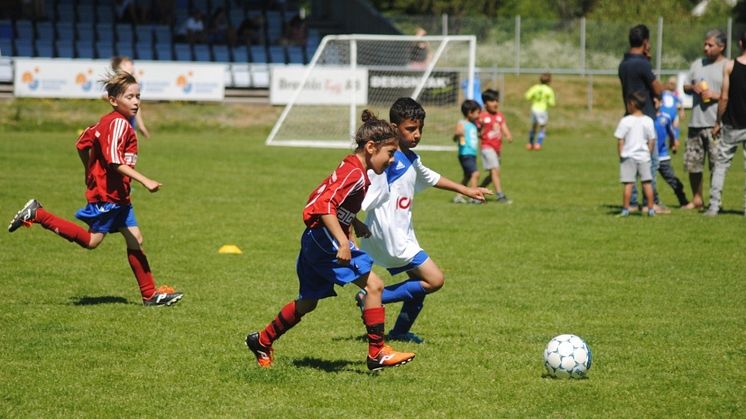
(326, 86)
(65, 78)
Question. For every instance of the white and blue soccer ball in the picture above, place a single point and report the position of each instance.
(567, 356)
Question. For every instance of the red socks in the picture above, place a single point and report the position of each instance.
(285, 319)
(374, 319)
(141, 269)
(63, 228)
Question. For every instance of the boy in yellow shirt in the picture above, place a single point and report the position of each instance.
(541, 97)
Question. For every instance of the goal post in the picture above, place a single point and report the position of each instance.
(349, 73)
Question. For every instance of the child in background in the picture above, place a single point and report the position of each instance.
(388, 204)
(672, 106)
(467, 138)
(635, 136)
(108, 151)
(327, 254)
(541, 97)
(494, 129)
(124, 63)
(664, 130)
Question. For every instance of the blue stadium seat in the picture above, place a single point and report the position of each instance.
(258, 54)
(274, 27)
(125, 48)
(104, 49)
(162, 34)
(221, 53)
(240, 54)
(124, 32)
(85, 31)
(144, 34)
(277, 55)
(145, 52)
(202, 53)
(44, 48)
(45, 31)
(25, 29)
(163, 52)
(86, 12)
(6, 29)
(183, 52)
(105, 32)
(295, 55)
(66, 12)
(84, 48)
(24, 47)
(6, 47)
(65, 48)
(65, 30)
(104, 13)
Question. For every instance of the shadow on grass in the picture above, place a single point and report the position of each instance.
(91, 301)
(326, 365)
(358, 338)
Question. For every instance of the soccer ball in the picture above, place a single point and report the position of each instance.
(567, 356)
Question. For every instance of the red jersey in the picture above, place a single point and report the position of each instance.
(492, 130)
(111, 142)
(341, 193)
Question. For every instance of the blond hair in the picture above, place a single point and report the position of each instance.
(115, 83)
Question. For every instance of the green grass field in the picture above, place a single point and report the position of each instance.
(660, 301)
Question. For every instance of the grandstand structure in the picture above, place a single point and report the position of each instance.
(92, 29)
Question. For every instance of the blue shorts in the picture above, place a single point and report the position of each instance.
(106, 217)
(418, 260)
(318, 269)
(468, 164)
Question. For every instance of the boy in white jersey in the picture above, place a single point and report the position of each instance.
(388, 204)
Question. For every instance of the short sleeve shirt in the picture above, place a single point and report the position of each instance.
(635, 131)
(636, 74)
(492, 130)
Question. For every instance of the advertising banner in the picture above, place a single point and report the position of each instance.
(67, 78)
(325, 85)
(440, 88)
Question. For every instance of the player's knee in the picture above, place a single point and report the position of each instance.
(374, 285)
(434, 282)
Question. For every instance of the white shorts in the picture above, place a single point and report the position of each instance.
(539, 118)
(630, 168)
(490, 159)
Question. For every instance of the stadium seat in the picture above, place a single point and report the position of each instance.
(221, 53)
(202, 53)
(65, 30)
(105, 32)
(84, 48)
(144, 34)
(183, 52)
(295, 55)
(65, 48)
(144, 52)
(277, 55)
(240, 54)
(162, 34)
(104, 50)
(125, 48)
(45, 31)
(44, 48)
(124, 32)
(104, 13)
(6, 29)
(6, 47)
(25, 29)
(86, 12)
(274, 27)
(65, 12)
(85, 31)
(163, 52)
(24, 47)
(258, 54)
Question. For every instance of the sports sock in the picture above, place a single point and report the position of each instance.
(285, 319)
(409, 312)
(531, 135)
(403, 291)
(141, 269)
(63, 228)
(373, 319)
(540, 138)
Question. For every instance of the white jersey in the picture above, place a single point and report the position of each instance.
(388, 205)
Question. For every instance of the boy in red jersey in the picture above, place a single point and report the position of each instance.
(493, 130)
(328, 256)
(108, 151)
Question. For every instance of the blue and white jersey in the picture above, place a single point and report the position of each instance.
(670, 103)
(663, 131)
(388, 205)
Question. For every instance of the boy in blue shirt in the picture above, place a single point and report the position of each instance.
(664, 130)
(467, 138)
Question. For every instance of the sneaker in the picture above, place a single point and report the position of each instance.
(459, 199)
(25, 216)
(651, 212)
(624, 213)
(711, 212)
(164, 296)
(388, 357)
(262, 353)
(405, 337)
(502, 199)
(360, 300)
(475, 201)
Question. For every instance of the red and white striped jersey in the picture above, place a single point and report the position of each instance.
(341, 193)
(111, 142)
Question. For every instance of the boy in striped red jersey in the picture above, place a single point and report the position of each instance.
(328, 256)
(108, 151)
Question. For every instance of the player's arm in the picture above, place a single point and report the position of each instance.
(449, 185)
(506, 132)
(458, 133)
(149, 184)
(85, 157)
(551, 100)
(141, 124)
(619, 147)
(723, 103)
(657, 88)
(331, 223)
(672, 142)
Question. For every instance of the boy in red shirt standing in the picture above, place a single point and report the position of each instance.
(108, 151)
(493, 130)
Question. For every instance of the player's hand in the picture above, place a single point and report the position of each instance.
(675, 146)
(477, 193)
(716, 130)
(344, 255)
(152, 185)
(510, 139)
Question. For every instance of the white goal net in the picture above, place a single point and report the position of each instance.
(349, 73)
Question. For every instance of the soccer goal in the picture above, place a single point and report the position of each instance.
(349, 73)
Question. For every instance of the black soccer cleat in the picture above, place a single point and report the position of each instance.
(262, 353)
(25, 216)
